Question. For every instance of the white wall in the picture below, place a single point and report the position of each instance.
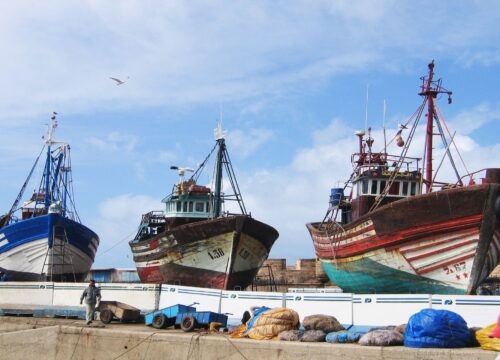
(141, 296)
(347, 308)
(335, 304)
(387, 309)
(235, 303)
(476, 310)
(207, 299)
(35, 293)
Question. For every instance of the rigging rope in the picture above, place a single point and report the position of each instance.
(454, 144)
(117, 243)
(14, 207)
(400, 161)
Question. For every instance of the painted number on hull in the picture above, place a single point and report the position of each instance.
(216, 253)
(458, 267)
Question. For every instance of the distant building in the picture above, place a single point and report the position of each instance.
(276, 275)
(113, 275)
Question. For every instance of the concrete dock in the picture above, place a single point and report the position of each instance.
(35, 338)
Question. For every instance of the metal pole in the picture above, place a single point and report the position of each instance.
(430, 123)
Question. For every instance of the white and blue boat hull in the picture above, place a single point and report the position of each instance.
(30, 251)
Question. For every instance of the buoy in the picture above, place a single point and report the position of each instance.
(399, 140)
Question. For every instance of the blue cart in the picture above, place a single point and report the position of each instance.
(163, 318)
(191, 320)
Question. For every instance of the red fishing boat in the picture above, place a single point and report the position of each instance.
(394, 228)
(193, 242)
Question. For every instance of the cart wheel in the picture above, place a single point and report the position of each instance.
(106, 316)
(188, 323)
(159, 321)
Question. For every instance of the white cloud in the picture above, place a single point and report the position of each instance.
(472, 119)
(180, 53)
(289, 197)
(247, 142)
(116, 224)
(114, 141)
(185, 54)
(480, 58)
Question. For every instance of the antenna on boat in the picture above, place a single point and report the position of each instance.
(366, 107)
(50, 128)
(218, 132)
(181, 171)
(360, 134)
(383, 126)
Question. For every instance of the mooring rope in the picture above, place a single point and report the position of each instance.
(233, 345)
(196, 338)
(136, 345)
(77, 341)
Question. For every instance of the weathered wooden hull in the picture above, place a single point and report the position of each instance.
(441, 242)
(223, 253)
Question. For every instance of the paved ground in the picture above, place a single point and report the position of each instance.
(47, 338)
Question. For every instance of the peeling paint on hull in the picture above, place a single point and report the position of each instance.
(222, 253)
(447, 242)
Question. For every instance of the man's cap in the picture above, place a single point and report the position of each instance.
(92, 280)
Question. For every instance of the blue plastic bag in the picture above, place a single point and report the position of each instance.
(431, 328)
(343, 337)
(256, 315)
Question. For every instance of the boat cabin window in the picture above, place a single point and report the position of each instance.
(184, 206)
(199, 206)
(413, 188)
(190, 206)
(179, 206)
(365, 187)
(377, 186)
(404, 192)
(374, 187)
(382, 185)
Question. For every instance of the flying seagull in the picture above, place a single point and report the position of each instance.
(118, 81)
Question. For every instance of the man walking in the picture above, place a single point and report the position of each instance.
(92, 296)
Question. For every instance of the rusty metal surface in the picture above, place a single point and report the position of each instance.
(468, 210)
(219, 253)
(429, 209)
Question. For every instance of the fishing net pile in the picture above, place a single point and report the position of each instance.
(489, 337)
(382, 338)
(313, 336)
(324, 323)
(268, 323)
(290, 335)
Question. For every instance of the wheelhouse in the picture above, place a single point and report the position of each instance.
(406, 184)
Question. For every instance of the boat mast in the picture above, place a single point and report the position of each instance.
(219, 137)
(430, 94)
(48, 163)
(430, 90)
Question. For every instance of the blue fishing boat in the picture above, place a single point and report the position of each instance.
(44, 239)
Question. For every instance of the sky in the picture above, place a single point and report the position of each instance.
(288, 78)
